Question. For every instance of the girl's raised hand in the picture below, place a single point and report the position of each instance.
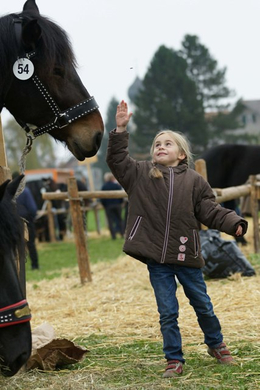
(122, 116)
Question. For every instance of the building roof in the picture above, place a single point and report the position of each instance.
(253, 105)
(134, 88)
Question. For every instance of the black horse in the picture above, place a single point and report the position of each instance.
(15, 330)
(231, 165)
(39, 84)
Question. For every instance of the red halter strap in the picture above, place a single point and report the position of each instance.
(15, 314)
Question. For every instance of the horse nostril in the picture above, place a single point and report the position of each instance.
(98, 139)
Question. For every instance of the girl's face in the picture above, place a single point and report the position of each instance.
(166, 151)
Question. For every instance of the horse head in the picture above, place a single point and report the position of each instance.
(15, 330)
(41, 87)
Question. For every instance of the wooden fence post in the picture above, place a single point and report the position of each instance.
(254, 212)
(96, 214)
(201, 168)
(78, 227)
(51, 224)
(5, 173)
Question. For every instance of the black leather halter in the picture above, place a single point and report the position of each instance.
(61, 118)
(15, 314)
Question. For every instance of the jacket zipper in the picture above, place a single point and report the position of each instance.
(168, 216)
(134, 228)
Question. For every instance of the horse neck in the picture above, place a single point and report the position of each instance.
(12, 244)
(10, 288)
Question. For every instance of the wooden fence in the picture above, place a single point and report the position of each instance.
(75, 198)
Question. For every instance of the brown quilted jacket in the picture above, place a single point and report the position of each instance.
(164, 214)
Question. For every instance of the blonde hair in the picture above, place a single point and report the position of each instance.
(182, 143)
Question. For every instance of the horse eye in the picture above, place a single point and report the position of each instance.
(58, 72)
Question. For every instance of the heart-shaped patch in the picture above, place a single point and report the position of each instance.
(183, 239)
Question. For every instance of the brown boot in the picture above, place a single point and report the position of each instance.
(222, 354)
(174, 368)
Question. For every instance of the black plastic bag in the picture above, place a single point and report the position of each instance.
(222, 258)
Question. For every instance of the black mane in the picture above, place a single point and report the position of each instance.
(11, 230)
(54, 45)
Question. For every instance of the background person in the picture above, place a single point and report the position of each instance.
(113, 207)
(27, 209)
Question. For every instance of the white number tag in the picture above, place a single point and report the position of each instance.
(23, 69)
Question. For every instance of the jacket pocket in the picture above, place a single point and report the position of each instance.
(135, 228)
(196, 243)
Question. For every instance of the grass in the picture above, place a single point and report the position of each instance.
(139, 365)
(55, 256)
(113, 363)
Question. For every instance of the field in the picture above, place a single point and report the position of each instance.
(116, 319)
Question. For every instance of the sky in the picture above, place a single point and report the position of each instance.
(114, 41)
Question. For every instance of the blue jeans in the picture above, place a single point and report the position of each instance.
(162, 277)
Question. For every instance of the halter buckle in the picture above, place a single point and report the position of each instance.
(61, 121)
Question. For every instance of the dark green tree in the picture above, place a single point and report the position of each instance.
(168, 99)
(110, 124)
(41, 155)
(204, 71)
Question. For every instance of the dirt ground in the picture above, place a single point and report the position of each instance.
(119, 301)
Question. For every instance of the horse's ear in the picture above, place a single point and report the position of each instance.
(31, 6)
(31, 33)
(13, 186)
(3, 188)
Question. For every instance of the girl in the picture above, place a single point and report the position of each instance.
(167, 201)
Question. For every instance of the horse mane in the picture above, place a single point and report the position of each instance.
(6, 51)
(53, 49)
(11, 230)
